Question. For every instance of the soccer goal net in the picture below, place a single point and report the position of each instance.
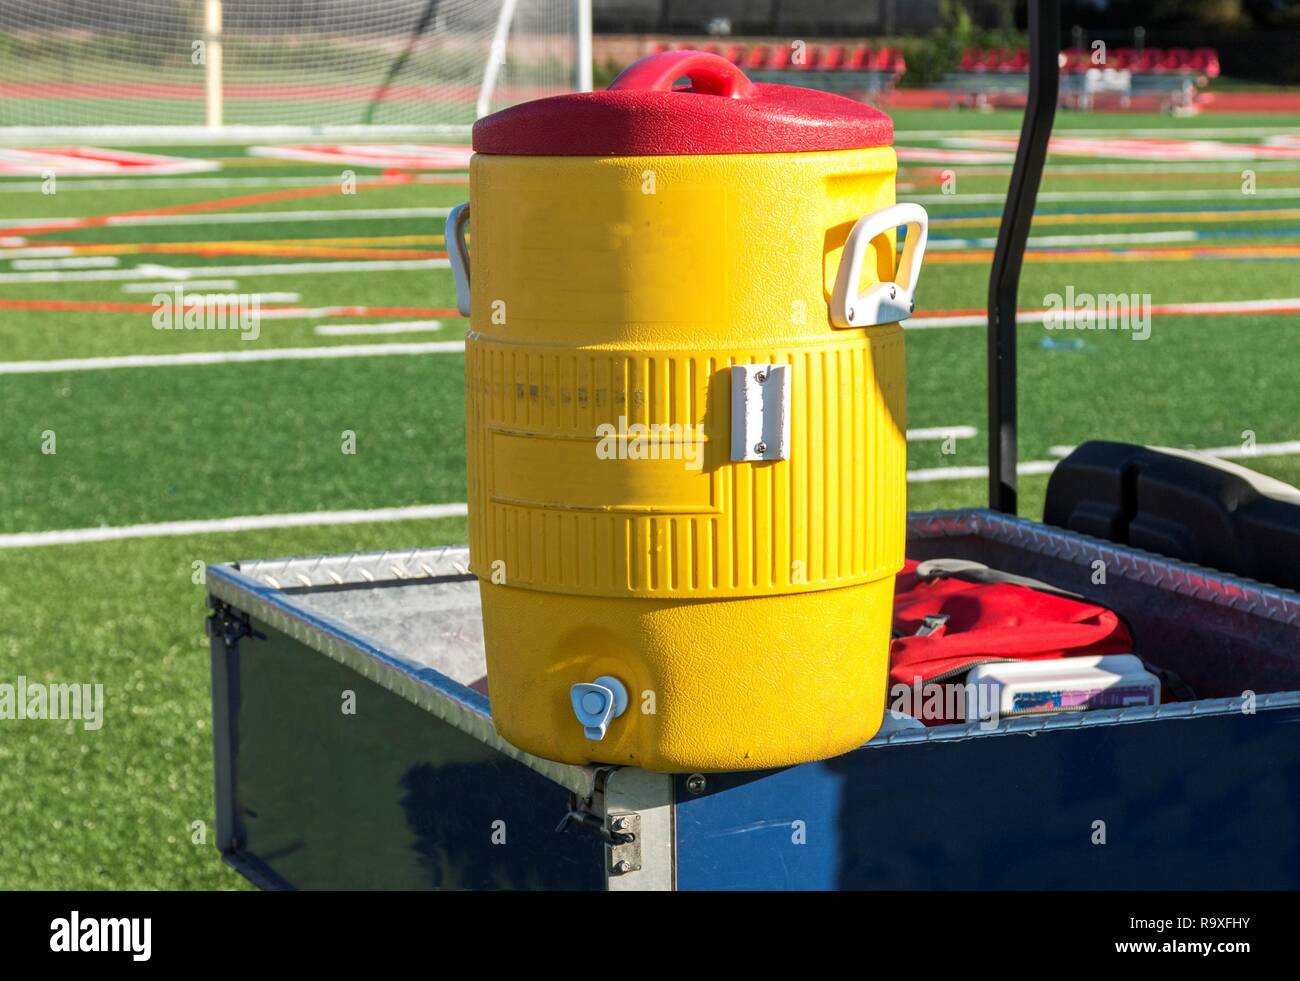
(162, 69)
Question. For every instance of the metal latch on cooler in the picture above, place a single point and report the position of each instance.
(760, 412)
(624, 856)
(622, 836)
(620, 829)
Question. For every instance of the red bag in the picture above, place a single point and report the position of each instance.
(950, 615)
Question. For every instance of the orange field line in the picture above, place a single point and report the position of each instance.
(214, 204)
(1130, 217)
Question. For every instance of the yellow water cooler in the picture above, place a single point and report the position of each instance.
(685, 416)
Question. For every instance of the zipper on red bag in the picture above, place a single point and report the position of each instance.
(962, 669)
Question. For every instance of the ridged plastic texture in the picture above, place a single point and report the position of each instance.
(562, 518)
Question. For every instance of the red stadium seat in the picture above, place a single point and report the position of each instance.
(1020, 60)
(780, 57)
(1121, 58)
(833, 58)
(757, 56)
(890, 60)
(1206, 61)
(969, 59)
(1078, 62)
(1149, 62)
(733, 53)
(811, 57)
(860, 59)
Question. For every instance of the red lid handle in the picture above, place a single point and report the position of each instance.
(710, 74)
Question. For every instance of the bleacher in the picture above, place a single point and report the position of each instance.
(850, 69)
(1153, 78)
(1129, 78)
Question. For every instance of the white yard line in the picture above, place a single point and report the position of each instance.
(941, 432)
(1287, 448)
(971, 473)
(182, 273)
(314, 313)
(1288, 304)
(1031, 467)
(1066, 197)
(969, 320)
(256, 522)
(209, 299)
(361, 330)
(68, 262)
(228, 357)
(21, 250)
(216, 526)
(1228, 307)
(194, 284)
(1051, 241)
(231, 217)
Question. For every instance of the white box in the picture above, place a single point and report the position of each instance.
(1063, 685)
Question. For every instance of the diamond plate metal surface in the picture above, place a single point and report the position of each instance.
(1134, 565)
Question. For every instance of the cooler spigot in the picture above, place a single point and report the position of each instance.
(597, 703)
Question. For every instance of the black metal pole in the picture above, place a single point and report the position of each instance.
(1004, 278)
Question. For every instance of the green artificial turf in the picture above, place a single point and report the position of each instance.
(114, 808)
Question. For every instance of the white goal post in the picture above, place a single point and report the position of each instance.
(171, 71)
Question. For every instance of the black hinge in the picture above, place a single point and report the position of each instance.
(229, 624)
(584, 820)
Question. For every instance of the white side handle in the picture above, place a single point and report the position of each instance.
(881, 303)
(454, 236)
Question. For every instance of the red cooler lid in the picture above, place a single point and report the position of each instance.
(722, 111)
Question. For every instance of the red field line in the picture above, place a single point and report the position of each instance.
(1206, 102)
(1164, 309)
(1288, 102)
(252, 248)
